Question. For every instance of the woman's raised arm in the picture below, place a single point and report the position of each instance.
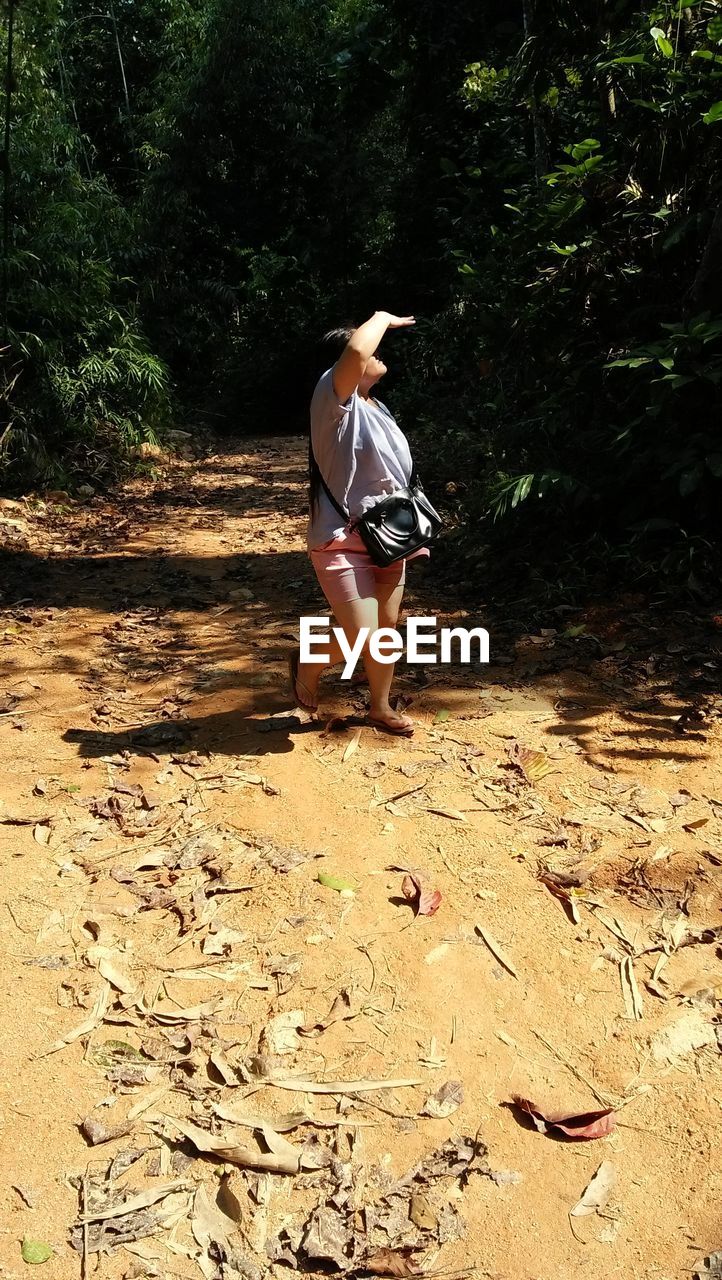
(350, 367)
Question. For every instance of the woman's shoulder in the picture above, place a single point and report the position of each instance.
(325, 404)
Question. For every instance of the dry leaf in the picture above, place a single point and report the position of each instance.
(134, 1203)
(340, 1011)
(392, 1262)
(674, 934)
(209, 973)
(613, 925)
(282, 1157)
(102, 958)
(425, 901)
(146, 1103)
(653, 982)
(94, 1020)
(352, 747)
(533, 764)
(210, 1227)
(95, 1132)
(327, 1237)
(445, 1101)
(342, 1086)
(630, 990)
(505, 1039)
(663, 851)
(597, 1192)
(496, 950)
(219, 1061)
(695, 824)
(563, 894)
(709, 1268)
(421, 1213)
(456, 814)
(583, 1127)
(251, 1119)
(280, 1035)
(194, 1013)
(41, 832)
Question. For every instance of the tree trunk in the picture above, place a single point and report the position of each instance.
(541, 164)
(705, 291)
(6, 168)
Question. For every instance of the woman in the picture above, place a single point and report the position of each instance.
(360, 453)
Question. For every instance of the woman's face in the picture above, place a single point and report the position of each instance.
(375, 370)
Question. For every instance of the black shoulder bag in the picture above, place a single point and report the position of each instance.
(396, 525)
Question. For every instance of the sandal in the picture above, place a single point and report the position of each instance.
(401, 731)
(296, 684)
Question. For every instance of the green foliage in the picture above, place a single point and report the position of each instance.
(202, 187)
(588, 250)
(75, 363)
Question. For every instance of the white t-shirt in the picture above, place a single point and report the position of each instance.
(362, 455)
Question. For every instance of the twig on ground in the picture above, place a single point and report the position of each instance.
(605, 1100)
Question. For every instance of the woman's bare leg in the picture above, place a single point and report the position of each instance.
(309, 673)
(389, 604)
(353, 615)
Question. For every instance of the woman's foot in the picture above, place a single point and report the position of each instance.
(304, 692)
(389, 721)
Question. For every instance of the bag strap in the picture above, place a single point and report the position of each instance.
(346, 515)
(413, 482)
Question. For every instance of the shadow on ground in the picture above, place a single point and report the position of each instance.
(197, 616)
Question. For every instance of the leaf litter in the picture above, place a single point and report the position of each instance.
(177, 876)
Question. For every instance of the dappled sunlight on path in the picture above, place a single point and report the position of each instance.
(166, 816)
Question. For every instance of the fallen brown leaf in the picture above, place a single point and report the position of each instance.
(342, 1086)
(630, 990)
(340, 1011)
(281, 1157)
(445, 1101)
(392, 1262)
(456, 814)
(597, 1193)
(583, 1127)
(95, 1132)
(425, 901)
(496, 950)
(533, 764)
(94, 1020)
(142, 1201)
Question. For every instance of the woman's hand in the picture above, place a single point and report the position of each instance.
(398, 322)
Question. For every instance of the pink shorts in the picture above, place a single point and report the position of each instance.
(346, 571)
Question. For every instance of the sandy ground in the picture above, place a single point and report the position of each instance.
(165, 819)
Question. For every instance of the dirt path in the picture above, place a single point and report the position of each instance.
(164, 823)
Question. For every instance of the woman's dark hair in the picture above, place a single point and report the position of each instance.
(330, 347)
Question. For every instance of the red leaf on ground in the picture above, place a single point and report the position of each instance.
(391, 1262)
(426, 901)
(587, 1125)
